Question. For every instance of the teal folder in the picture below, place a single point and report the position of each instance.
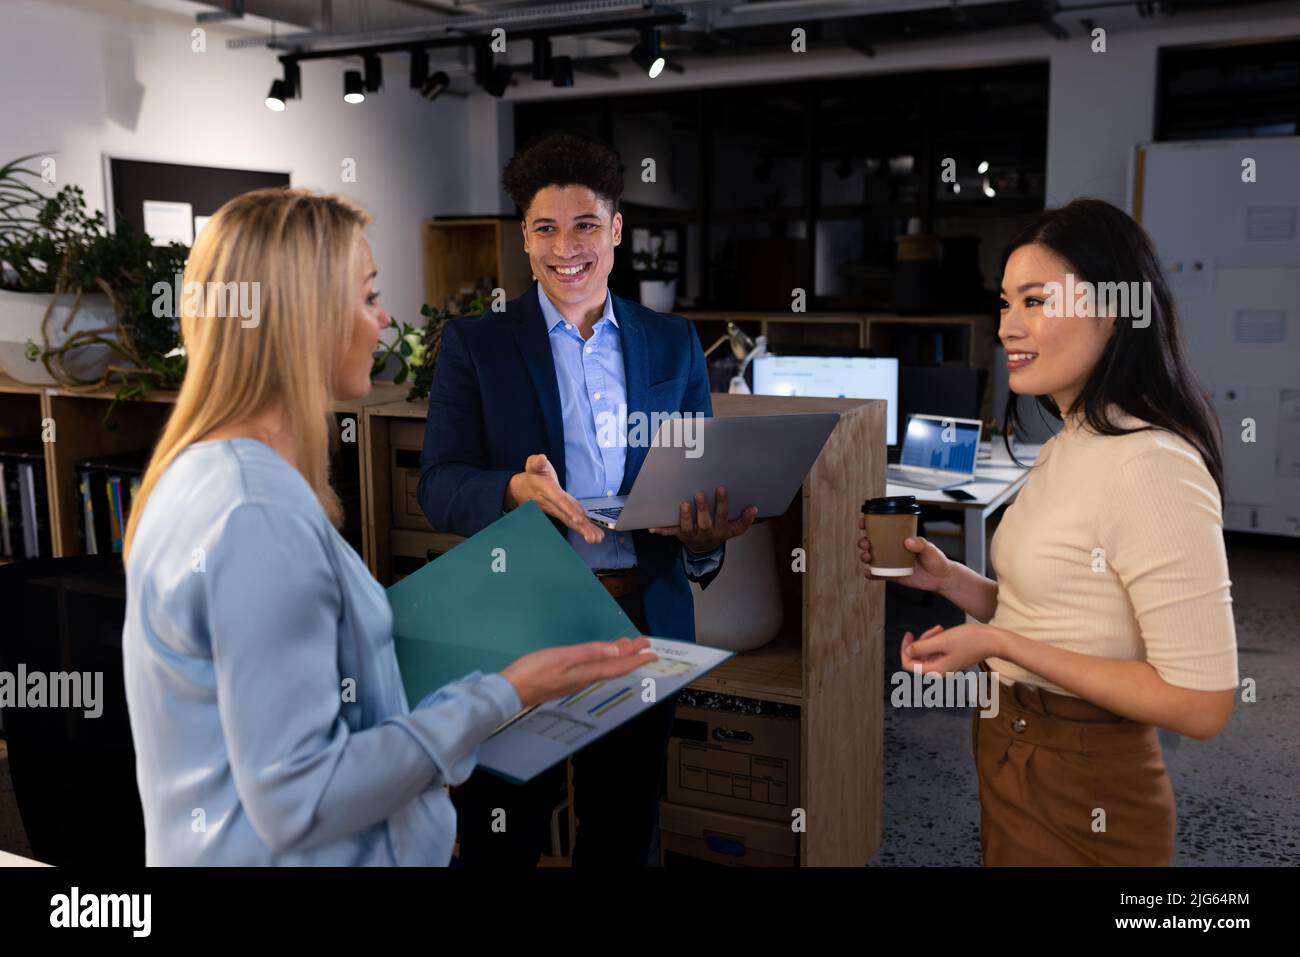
(515, 587)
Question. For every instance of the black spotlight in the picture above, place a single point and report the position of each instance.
(374, 73)
(353, 91)
(279, 93)
(562, 71)
(646, 54)
(419, 69)
(499, 81)
(285, 89)
(482, 63)
(434, 85)
(542, 58)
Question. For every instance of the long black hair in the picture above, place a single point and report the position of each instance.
(1142, 370)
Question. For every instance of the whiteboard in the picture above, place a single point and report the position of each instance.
(1230, 249)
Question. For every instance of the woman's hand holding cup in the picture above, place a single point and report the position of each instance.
(929, 573)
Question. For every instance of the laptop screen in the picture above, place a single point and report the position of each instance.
(940, 444)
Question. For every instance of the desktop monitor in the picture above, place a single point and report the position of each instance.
(832, 377)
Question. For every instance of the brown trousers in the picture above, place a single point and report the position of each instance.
(1065, 783)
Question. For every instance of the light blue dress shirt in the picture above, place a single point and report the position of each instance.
(269, 718)
(593, 406)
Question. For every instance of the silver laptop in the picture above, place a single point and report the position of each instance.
(939, 452)
(761, 459)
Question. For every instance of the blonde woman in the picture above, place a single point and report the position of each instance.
(247, 611)
(1112, 614)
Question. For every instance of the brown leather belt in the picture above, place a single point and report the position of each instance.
(621, 582)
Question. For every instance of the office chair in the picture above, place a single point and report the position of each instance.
(73, 776)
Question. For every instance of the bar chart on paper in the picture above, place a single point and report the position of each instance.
(549, 733)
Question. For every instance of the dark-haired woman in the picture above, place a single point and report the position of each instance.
(1111, 615)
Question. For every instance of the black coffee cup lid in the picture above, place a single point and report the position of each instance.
(891, 505)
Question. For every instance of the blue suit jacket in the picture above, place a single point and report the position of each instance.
(494, 402)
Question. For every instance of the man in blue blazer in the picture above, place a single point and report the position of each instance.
(532, 404)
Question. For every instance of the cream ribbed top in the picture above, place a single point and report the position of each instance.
(1114, 548)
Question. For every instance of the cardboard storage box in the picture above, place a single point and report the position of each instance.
(406, 440)
(730, 759)
(724, 838)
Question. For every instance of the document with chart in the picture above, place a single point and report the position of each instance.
(517, 587)
(547, 734)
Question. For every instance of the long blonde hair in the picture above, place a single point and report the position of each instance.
(301, 249)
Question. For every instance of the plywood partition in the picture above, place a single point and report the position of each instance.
(842, 651)
(843, 644)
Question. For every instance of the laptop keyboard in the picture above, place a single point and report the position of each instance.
(609, 512)
(915, 481)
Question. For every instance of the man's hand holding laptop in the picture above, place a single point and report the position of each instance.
(702, 533)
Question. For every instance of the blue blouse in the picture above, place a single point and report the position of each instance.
(269, 718)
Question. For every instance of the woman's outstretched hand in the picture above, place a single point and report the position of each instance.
(955, 649)
(555, 672)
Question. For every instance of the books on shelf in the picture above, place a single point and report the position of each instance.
(24, 501)
(107, 485)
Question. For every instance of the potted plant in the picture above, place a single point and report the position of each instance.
(76, 300)
(414, 351)
(658, 284)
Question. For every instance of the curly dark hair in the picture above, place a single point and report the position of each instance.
(564, 159)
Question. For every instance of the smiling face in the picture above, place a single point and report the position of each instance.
(1046, 355)
(570, 237)
(352, 378)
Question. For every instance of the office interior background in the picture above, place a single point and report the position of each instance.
(874, 156)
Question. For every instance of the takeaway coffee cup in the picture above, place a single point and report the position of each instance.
(890, 521)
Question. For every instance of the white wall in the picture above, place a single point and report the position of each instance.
(84, 78)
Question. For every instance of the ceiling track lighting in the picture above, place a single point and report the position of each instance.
(353, 88)
(419, 69)
(482, 63)
(428, 85)
(285, 89)
(491, 76)
(647, 55)
(435, 85)
(499, 81)
(562, 71)
(374, 78)
(542, 60)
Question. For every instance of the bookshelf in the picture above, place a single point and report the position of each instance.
(80, 432)
(460, 252)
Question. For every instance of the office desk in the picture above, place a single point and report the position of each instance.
(995, 484)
